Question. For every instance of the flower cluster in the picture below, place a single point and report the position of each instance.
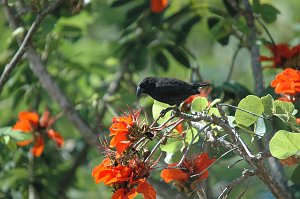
(125, 130)
(189, 173)
(125, 169)
(287, 82)
(158, 6)
(30, 122)
(128, 178)
(283, 56)
(127, 164)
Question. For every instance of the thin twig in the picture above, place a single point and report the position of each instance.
(235, 107)
(246, 174)
(188, 148)
(232, 62)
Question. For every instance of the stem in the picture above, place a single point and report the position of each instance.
(32, 193)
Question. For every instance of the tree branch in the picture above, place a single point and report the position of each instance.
(255, 162)
(112, 88)
(254, 50)
(23, 47)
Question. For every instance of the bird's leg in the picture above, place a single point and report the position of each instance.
(164, 111)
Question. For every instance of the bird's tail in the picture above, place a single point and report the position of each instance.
(199, 85)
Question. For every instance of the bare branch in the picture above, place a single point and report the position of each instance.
(23, 47)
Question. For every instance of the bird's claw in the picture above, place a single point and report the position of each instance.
(165, 111)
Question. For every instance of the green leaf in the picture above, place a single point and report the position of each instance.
(286, 111)
(118, 3)
(285, 144)
(173, 145)
(220, 29)
(172, 158)
(214, 111)
(214, 102)
(260, 127)
(186, 28)
(296, 175)
(162, 60)
(180, 55)
(281, 107)
(267, 102)
(157, 107)
(252, 104)
(230, 9)
(190, 134)
(15, 134)
(199, 104)
(12, 145)
(256, 6)
(269, 13)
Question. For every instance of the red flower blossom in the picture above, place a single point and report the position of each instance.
(287, 82)
(283, 56)
(29, 122)
(127, 179)
(190, 172)
(123, 131)
(158, 6)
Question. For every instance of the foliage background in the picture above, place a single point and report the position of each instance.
(83, 53)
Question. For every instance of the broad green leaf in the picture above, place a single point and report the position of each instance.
(173, 145)
(252, 104)
(267, 102)
(285, 111)
(269, 13)
(280, 107)
(157, 107)
(284, 144)
(199, 104)
(15, 134)
(179, 55)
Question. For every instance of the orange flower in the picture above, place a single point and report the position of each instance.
(127, 180)
(123, 130)
(282, 55)
(29, 122)
(190, 172)
(158, 6)
(287, 82)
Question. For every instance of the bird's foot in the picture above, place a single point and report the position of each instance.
(166, 110)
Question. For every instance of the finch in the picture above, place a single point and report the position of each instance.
(168, 90)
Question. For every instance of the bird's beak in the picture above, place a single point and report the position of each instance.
(139, 91)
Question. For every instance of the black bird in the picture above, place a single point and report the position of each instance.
(168, 90)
